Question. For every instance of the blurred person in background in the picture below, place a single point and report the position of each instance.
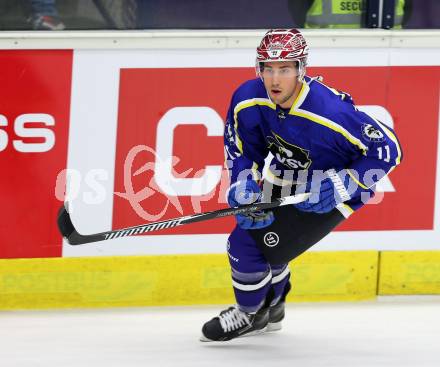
(45, 16)
(336, 13)
(421, 14)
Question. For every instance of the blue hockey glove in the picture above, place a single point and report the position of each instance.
(325, 196)
(248, 192)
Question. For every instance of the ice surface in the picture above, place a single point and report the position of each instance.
(388, 332)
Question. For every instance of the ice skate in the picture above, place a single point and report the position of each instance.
(276, 315)
(233, 323)
(277, 311)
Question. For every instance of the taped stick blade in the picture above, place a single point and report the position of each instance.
(296, 198)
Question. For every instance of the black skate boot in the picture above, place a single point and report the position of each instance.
(233, 323)
(277, 312)
(276, 315)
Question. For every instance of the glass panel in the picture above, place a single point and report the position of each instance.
(213, 14)
(153, 14)
(421, 14)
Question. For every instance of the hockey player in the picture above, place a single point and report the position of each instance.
(321, 143)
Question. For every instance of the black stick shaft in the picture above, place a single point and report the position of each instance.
(73, 237)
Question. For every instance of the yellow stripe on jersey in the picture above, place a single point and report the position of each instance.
(387, 131)
(345, 210)
(356, 180)
(322, 120)
(238, 142)
(255, 172)
(245, 104)
(333, 90)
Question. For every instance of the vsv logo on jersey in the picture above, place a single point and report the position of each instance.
(288, 154)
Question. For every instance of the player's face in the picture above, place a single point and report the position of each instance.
(281, 81)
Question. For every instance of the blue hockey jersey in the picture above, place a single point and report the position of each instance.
(322, 130)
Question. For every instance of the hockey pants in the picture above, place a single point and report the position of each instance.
(259, 258)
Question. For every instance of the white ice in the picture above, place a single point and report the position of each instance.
(392, 331)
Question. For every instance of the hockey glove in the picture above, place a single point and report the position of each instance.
(325, 196)
(248, 192)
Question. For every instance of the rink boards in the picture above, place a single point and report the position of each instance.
(104, 109)
(205, 279)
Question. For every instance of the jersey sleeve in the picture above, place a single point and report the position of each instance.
(245, 147)
(380, 154)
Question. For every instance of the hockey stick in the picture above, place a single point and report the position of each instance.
(73, 237)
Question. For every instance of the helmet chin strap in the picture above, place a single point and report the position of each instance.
(301, 71)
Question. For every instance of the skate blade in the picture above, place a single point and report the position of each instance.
(273, 326)
(204, 339)
(255, 332)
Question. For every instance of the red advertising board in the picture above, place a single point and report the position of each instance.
(34, 123)
(410, 94)
(34, 128)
